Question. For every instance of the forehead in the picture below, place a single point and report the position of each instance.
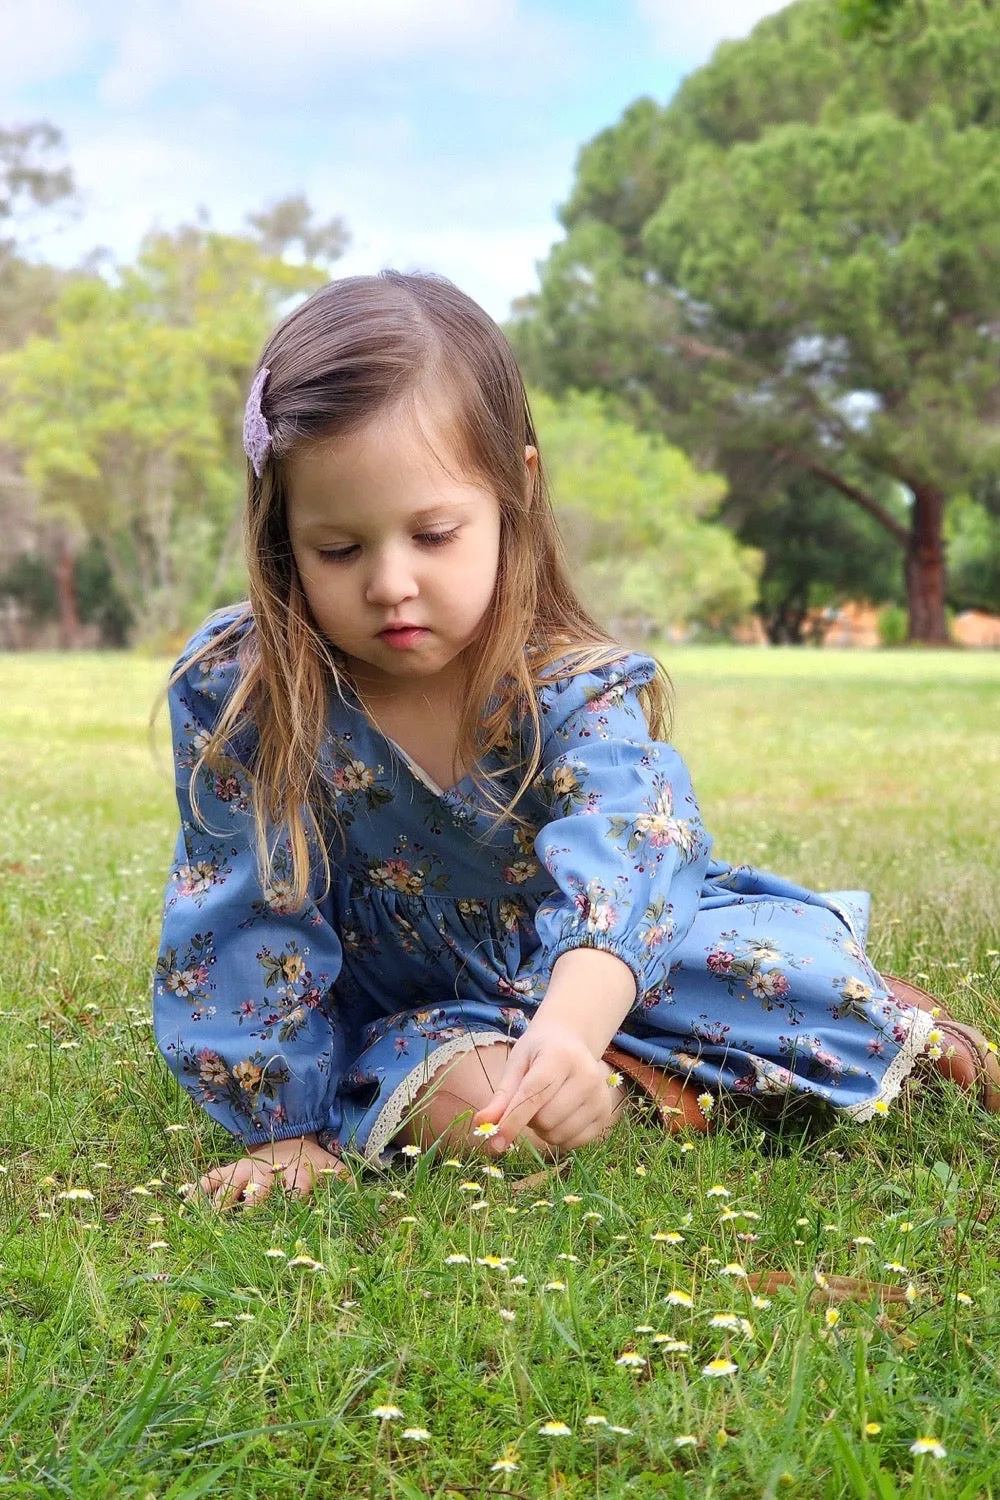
(402, 467)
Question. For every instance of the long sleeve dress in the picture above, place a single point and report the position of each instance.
(432, 940)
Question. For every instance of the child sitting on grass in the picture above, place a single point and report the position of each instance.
(436, 856)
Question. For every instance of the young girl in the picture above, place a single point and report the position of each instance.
(438, 871)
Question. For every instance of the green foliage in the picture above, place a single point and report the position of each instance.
(128, 416)
(856, 258)
(35, 184)
(796, 259)
(892, 625)
(636, 517)
(818, 552)
(31, 582)
(974, 555)
(874, 16)
(98, 599)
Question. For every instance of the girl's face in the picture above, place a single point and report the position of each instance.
(383, 537)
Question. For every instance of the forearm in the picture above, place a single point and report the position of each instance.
(590, 993)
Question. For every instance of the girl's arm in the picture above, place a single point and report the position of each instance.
(242, 1004)
(627, 853)
(590, 993)
(554, 1079)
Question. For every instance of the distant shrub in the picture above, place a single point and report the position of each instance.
(892, 625)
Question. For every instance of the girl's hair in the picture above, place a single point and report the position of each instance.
(359, 348)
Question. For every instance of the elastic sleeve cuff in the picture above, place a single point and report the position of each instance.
(284, 1132)
(607, 944)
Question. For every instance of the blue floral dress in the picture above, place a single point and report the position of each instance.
(433, 940)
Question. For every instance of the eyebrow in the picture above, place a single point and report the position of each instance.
(418, 518)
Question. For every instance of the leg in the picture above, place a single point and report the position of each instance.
(463, 1087)
(455, 1089)
(458, 1088)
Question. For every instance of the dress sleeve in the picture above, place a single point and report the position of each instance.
(625, 844)
(242, 1006)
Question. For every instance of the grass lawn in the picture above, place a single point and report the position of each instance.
(153, 1349)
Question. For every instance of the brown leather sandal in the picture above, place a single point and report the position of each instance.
(908, 993)
(966, 1039)
(676, 1099)
(986, 1075)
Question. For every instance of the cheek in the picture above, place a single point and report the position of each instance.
(484, 559)
(315, 585)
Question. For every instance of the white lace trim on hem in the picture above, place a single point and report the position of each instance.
(390, 1116)
(921, 1026)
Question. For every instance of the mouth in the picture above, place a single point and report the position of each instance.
(402, 635)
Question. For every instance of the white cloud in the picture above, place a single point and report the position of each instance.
(254, 44)
(485, 228)
(491, 265)
(42, 39)
(689, 31)
(285, 50)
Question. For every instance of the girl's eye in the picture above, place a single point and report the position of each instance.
(437, 538)
(429, 538)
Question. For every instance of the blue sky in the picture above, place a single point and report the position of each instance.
(443, 131)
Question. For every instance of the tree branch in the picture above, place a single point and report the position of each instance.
(896, 529)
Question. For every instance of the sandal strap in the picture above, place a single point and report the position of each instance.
(675, 1098)
(986, 1062)
(899, 988)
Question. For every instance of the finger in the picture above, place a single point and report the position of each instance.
(598, 1100)
(566, 1103)
(259, 1184)
(580, 1129)
(299, 1179)
(514, 1070)
(245, 1182)
(228, 1191)
(217, 1178)
(536, 1089)
(230, 1187)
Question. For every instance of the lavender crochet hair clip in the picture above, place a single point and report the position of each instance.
(256, 433)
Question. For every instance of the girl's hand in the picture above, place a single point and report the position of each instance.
(552, 1082)
(295, 1161)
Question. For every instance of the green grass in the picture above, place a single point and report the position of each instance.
(208, 1367)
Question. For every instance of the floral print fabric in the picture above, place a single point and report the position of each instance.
(432, 939)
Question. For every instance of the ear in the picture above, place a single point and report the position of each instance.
(531, 461)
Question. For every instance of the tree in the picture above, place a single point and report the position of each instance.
(35, 183)
(289, 222)
(974, 552)
(797, 259)
(129, 416)
(637, 521)
(818, 552)
(874, 16)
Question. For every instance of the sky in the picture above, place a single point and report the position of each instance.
(443, 132)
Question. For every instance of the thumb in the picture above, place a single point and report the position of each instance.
(516, 1067)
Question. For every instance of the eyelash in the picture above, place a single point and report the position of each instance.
(432, 538)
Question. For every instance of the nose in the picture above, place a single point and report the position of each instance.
(390, 580)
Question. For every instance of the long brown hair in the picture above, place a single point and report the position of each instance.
(357, 348)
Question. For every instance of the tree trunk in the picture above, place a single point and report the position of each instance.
(925, 568)
(69, 616)
(784, 625)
